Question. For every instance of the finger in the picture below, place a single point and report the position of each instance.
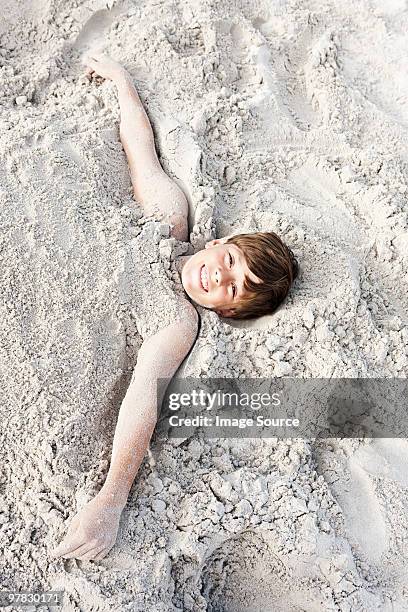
(80, 550)
(101, 554)
(91, 554)
(89, 56)
(91, 62)
(66, 546)
(86, 59)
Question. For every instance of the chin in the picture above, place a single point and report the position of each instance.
(198, 301)
(193, 296)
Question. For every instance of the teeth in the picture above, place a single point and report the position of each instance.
(204, 279)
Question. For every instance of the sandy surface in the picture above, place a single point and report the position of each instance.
(290, 116)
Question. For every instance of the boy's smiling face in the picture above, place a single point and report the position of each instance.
(214, 277)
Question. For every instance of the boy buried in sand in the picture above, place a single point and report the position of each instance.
(242, 277)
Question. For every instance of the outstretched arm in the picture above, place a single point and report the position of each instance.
(159, 357)
(93, 530)
(152, 187)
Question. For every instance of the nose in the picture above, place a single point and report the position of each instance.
(221, 276)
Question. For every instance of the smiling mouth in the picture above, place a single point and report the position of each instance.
(204, 278)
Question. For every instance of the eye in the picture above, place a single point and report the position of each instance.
(231, 259)
(234, 290)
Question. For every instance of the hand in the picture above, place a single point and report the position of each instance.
(92, 532)
(98, 65)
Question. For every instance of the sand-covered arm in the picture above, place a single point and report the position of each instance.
(93, 530)
(159, 358)
(153, 188)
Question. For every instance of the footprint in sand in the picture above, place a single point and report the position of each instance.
(186, 42)
(276, 79)
(318, 203)
(244, 574)
(283, 76)
(93, 30)
(356, 493)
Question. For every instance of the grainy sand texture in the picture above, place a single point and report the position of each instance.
(277, 115)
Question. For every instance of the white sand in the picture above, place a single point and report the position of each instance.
(289, 116)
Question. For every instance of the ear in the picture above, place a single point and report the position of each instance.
(227, 312)
(212, 243)
(216, 241)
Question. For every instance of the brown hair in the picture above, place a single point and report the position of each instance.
(274, 264)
